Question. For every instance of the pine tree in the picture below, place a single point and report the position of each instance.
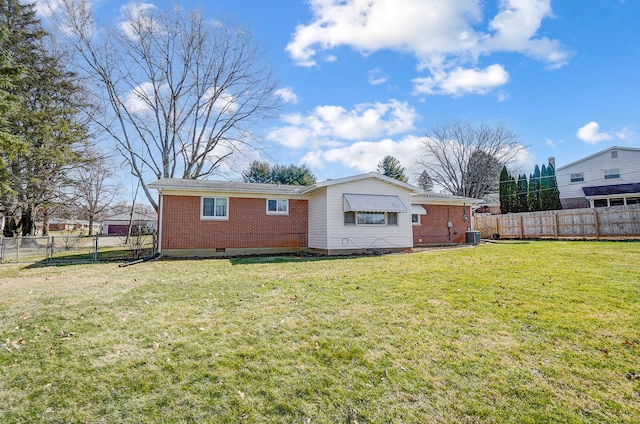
(545, 188)
(10, 145)
(533, 197)
(554, 193)
(506, 195)
(391, 167)
(425, 182)
(45, 119)
(521, 196)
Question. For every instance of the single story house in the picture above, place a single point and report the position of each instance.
(361, 213)
(118, 225)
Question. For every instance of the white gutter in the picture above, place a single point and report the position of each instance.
(160, 213)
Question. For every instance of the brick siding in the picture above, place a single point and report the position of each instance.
(248, 226)
(433, 226)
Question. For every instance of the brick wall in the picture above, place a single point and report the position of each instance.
(434, 230)
(248, 226)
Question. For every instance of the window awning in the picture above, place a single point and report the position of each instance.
(372, 203)
(418, 210)
(607, 190)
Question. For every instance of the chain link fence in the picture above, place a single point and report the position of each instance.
(76, 248)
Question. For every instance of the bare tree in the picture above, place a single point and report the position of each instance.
(179, 93)
(94, 188)
(465, 160)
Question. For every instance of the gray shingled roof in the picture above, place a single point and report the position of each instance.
(224, 186)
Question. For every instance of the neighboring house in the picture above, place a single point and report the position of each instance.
(608, 178)
(118, 225)
(61, 224)
(368, 212)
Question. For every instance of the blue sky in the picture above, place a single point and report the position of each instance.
(365, 78)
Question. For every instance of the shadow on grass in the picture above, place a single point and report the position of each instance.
(87, 258)
(292, 258)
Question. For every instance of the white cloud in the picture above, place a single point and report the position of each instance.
(445, 37)
(627, 133)
(590, 133)
(463, 81)
(136, 17)
(331, 125)
(48, 8)
(287, 95)
(364, 156)
(377, 77)
(139, 99)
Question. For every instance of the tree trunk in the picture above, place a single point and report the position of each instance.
(27, 222)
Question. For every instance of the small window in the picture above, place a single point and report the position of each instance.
(277, 206)
(392, 218)
(577, 177)
(611, 174)
(349, 218)
(415, 219)
(214, 208)
(600, 203)
(616, 202)
(614, 154)
(633, 200)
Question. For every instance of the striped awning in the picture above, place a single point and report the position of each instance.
(418, 210)
(372, 203)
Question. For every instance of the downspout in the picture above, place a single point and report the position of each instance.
(160, 211)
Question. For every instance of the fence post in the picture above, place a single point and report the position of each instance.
(18, 243)
(521, 228)
(595, 223)
(50, 245)
(1, 248)
(95, 248)
(555, 224)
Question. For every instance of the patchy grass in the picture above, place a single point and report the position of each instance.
(539, 332)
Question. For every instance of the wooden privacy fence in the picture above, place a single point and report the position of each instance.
(617, 222)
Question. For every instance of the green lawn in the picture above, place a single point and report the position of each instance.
(522, 333)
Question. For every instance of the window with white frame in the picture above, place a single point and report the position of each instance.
(611, 174)
(370, 218)
(214, 208)
(415, 219)
(277, 206)
(577, 177)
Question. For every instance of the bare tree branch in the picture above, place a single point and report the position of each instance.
(180, 93)
(465, 160)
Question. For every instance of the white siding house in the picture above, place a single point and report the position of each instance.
(363, 212)
(608, 178)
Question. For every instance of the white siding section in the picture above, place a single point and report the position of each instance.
(593, 168)
(318, 220)
(340, 236)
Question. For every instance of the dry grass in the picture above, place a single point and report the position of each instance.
(542, 332)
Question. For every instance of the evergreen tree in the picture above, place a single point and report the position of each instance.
(10, 145)
(262, 172)
(292, 175)
(521, 195)
(554, 194)
(391, 167)
(425, 182)
(544, 188)
(506, 195)
(258, 172)
(533, 197)
(45, 118)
